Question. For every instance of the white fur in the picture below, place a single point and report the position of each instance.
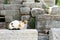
(16, 23)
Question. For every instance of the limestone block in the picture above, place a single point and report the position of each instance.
(1, 1)
(29, 0)
(47, 21)
(25, 10)
(1, 7)
(15, 1)
(2, 25)
(55, 10)
(42, 36)
(32, 4)
(48, 2)
(10, 12)
(26, 17)
(28, 34)
(8, 18)
(37, 11)
(12, 6)
(54, 34)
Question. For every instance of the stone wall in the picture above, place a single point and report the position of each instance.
(28, 34)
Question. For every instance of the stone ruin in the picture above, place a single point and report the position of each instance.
(47, 16)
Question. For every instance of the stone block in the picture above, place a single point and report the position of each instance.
(2, 25)
(10, 12)
(28, 34)
(8, 18)
(37, 11)
(12, 6)
(54, 34)
(15, 1)
(48, 2)
(25, 10)
(55, 10)
(29, 0)
(47, 22)
(32, 4)
(42, 36)
(26, 17)
(1, 7)
(1, 1)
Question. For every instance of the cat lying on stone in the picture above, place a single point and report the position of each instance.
(17, 25)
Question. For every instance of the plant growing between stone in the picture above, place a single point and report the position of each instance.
(5, 1)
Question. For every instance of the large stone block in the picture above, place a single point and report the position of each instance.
(54, 34)
(32, 4)
(42, 36)
(48, 2)
(2, 25)
(1, 1)
(15, 1)
(8, 18)
(10, 12)
(29, 0)
(1, 7)
(55, 10)
(28, 34)
(37, 11)
(12, 6)
(26, 17)
(25, 10)
(47, 22)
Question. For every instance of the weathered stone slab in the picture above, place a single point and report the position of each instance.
(15, 1)
(1, 7)
(12, 6)
(10, 12)
(8, 18)
(26, 17)
(32, 4)
(42, 36)
(48, 2)
(1, 1)
(25, 10)
(47, 22)
(54, 34)
(2, 25)
(55, 10)
(37, 11)
(28, 34)
(29, 0)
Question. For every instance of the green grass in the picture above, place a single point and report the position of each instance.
(58, 2)
(5, 1)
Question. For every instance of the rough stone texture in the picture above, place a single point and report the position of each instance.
(12, 6)
(28, 34)
(1, 7)
(9, 12)
(25, 10)
(48, 2)
(42, 36)
(1, 1)
(8, 18)
(37, 11)
(26, 17)
(54, 34)
(15, 1)
(55, 10)
(2, 25)
(32, 4)
(47, 22)
(29, 0)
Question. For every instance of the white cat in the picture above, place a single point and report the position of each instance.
(18, 24)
